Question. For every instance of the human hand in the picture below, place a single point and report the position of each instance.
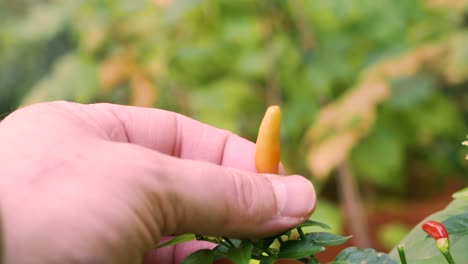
(105, 183)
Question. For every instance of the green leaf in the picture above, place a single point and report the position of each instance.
(241, 255)
(178, 10)
(354, 255)
(177, 240)
(314, 223)
(378, 158)
(313, 260)
(218, 104)
(200, 256)
(45, 20)
(390, 234)
(457, 225)
(265, 243)
(297, 249)
(220, 251)
(408, 91)
(419, 250)
(327, 239)
(73, 78)
(267, 260)
(462, 194)
(328, 212)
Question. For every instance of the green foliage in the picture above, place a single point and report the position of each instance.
(242, 251)
(241, 255)
(462, 194)
(422, 249)
(354, 255)
(326, 239)
(390, 234)
(72, 78)
(200, 256)
(223, 61)
(297, 249)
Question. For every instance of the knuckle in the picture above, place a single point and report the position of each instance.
(244, 195)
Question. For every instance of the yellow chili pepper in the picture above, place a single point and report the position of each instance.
(267, 150)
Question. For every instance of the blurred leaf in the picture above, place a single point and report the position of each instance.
(340, 125)
(241, 255)
(456, 225)
(354, 255)
(240, 32)
(314, 223)
(218, 103)
(462, 194)
(253, 64)
(390, 234)
(179, 9)
(268, 260)
(200, 256)
(436, 116)
(378, 159)
(265, 243)
(44, 20)
(411, 90)
(327, 239)
(73, 78)
(296, 249)
(456, 68)
(421, 250)
(326, 211)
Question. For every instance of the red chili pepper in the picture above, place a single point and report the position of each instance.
(438, 232)
(435, 229)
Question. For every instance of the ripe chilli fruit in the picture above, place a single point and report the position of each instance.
(435, 229)
(267, 150)
(438, 232)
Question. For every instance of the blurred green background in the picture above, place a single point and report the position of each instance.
(377, 89)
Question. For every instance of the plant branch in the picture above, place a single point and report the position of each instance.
(350, 200)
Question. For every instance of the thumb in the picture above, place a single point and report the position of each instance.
(209, 199)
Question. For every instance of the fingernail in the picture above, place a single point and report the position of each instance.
(295, 195)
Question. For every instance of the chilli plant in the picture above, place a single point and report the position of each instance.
(297, 246)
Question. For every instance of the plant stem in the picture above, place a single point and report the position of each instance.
(401, 252)
(269, 253)
(280, 240)
(350, 200)
(448, 257)
(229, 242)
(301, 233)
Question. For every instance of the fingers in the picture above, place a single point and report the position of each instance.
(199, 197)
(166, 132)
(175, 135)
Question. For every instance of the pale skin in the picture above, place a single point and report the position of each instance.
(106, 183)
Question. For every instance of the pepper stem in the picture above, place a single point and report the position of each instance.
(443, 244)
(448, 257)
